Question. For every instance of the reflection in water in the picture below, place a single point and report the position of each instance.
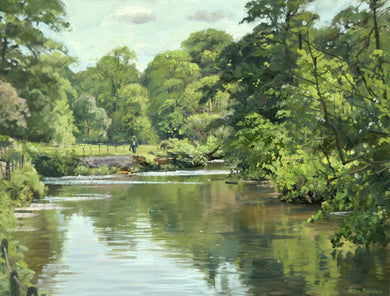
(188, 234)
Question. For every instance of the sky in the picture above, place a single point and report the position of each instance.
(151, 27)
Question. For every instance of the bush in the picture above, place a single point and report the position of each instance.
(15, 255)
(24, 186)
(186, 153)
(82, 170)
(55, 164)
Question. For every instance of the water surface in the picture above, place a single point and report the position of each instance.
(187, 233)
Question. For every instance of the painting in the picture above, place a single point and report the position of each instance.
(194, 147)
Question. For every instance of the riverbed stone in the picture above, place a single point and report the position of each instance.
(123, 162)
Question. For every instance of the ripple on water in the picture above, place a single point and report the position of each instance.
(118, 180)
(78, 197)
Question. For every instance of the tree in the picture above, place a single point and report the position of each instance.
(358, 126)
(46, 91)
(105, 82)
(21, 30)
(341, 101)
(13, 110)
(326, 139)
(131, 118)
(255, 70)
(116, 70)
(34, 64)
(92, 122)
(204, 48)
(167, 78)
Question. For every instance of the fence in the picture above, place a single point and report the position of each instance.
(100, 148)
(6, 167)
(15, 284)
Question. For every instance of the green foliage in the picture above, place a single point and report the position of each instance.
(131, 117)
(13, 110)
(92, 122)
(19, 191)
(21, 30)
(257, 144)
(35, 65)
(184, 152)
(115, 70)
(198, 126)
(5, 142)
(55, 164)
(113, 83)
(167, 78)
(24, 186)
(321, 132)
(82, 170)
(205, 46)
(15, 253)
(46, 90)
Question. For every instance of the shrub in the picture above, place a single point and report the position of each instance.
(24, 186)
(186, 153)
(55, 164)
(82, 170)
(15, 255)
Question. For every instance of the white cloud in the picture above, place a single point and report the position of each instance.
(141, 46)
(135, 15)
(204, 16)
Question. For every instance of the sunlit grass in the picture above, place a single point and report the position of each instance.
(88, 150)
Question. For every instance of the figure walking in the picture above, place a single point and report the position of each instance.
(134, 144)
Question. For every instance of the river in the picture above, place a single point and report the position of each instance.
(187, 233)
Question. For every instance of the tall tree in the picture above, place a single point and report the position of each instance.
(204, 48)
(35, 65)
(116, 69)
(21, 29)
(357, 121)
(13, 111)
(166, 78)
(330, 140)
(266, 58)
(255, 72)
(46, 90)
(131, 118)
(91, 121)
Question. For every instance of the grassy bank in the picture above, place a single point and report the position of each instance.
(18, 190)
(56, 161)
(80, 150)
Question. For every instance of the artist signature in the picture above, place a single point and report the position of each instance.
(364, 291)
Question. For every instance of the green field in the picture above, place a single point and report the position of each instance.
(149, 151)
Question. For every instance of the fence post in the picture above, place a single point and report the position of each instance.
(32, 291)
(4, 246)
(7, 171)
(99, 148)
(14, 284)
(22, 161)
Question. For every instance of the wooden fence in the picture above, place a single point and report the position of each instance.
(6, 167)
